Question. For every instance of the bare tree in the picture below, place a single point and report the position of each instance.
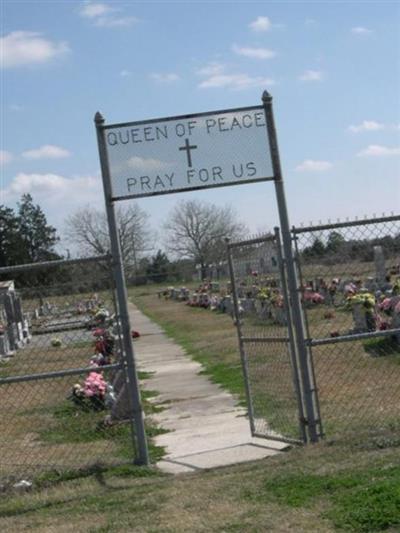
(196, 230)
(87, 230)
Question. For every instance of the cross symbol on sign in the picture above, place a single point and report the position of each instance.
(187, 149)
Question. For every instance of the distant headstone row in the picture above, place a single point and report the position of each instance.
(374, 302)
(14, 326)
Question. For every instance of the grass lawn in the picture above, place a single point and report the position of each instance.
(321, 488)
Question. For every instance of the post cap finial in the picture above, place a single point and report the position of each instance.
(266, 97)
(98, 118)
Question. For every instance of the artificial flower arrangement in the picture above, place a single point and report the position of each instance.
(264, 293)
(365, 299)
(95, 394)
(311, 296)
(277, 299)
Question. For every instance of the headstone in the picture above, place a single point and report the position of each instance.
(371, 285)
(363, 321)
(5, 350)
(227, 305)
(215, 286)
(380, 267)
(184, 294)
(263, 308)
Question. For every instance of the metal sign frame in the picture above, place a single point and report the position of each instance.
(309, 393)
(106, 127)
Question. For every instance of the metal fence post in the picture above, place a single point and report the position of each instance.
(292, 340)
(308, 387)
(243, 358)
(137, 423)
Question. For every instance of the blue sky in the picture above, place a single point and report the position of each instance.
(333, 69)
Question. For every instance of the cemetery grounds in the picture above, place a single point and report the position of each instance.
(348, 481)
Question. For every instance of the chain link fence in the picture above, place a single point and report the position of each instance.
(349, 281)
(63, 397)
(268, 360)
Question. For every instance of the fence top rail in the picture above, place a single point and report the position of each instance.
(348, 223)
(51, 264)
(249, 242)
(354, 337)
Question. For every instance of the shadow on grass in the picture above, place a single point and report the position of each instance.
(387, 346)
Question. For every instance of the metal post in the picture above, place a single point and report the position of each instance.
(292, 341)
(308, 387)
(243, 358)
(137, 421)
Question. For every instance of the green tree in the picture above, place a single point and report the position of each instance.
(37, 238)
(317, 249)
(158, 268)
(9, 236)
(335, 242)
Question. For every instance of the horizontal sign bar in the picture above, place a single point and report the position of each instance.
(189, 152)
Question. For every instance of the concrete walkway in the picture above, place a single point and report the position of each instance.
(206, 428)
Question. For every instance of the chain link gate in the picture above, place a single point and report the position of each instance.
(350, 291)
(64, 400)
(266, 339)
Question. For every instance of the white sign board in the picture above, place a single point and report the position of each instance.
(188, 152)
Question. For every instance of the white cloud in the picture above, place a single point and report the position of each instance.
(93, 10)
(311, 75)
(360, 30)
(15, 107)
(115, 22)
(47, 151)
(103, 15)
(212, 69)
(217, 76)
(169, 77)
(5, 157)
(366, 125)
(310, 22)
(125, 73)
(53, 190)
(310, 165)
(20, 48)
(235, 81)
(376, 150)
(260, 24)
(257, 53)
(50, 184)
(147, 165)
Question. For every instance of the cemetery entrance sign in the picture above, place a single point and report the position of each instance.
(200, 151)
(188, 152)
